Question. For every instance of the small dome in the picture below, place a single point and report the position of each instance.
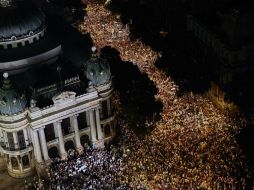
(96, 70)
(10, 102)
(19, 19)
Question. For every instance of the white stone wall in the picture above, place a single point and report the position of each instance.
(66, 106)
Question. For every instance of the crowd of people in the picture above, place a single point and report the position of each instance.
(193, 146)
(196, 150)
(93, 169)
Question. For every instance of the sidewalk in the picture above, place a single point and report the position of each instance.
(9, 183)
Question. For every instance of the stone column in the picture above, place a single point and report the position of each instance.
(72, 124)
(77, 135)
(92, 126)
(30, 160)
(15, 139)
(98, 125)
(109, 107)
(43, 144)
(9, 164)
(55, 130)
(1, 135)
(26, 136)
(101, 112)
(2, 140)
(21, 168)
(37, 148)
(6, 139)
(60, 138)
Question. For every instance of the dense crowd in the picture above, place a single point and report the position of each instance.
(94, 169)
(35, 183)
(199, 155)
(193, 146)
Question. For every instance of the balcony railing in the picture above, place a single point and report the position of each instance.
(7, 147)
(16, 151)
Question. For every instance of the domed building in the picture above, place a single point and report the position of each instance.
(11, 103)
(96, 70)
(55, 94)
(22, 37)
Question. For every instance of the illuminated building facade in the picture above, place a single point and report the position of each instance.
(50, 100)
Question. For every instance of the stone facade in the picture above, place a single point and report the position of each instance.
(28, 139)
(53, 105)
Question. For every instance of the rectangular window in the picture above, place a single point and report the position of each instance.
(25, 161)
(21, 139)
(82, 121)
(14, 163)
(66, 126)
(49, 132)
(104, 109)
(10, 141)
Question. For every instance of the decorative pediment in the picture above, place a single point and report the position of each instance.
(64, 96)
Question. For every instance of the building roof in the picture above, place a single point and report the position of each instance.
(41, 82)
(97, 70)
(20, 19)
(23, 52)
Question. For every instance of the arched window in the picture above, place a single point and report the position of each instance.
(25, 161)
(49, 132)
(10, 141)
(69, 145)
(9, 46)
(66, 126)
(14, 163)
(107, 131)
(31, 33)
(27, 42)
(53, 152)
(21, 139)
(84, 140)
(104, 109)
(13, 38)
(19, 44)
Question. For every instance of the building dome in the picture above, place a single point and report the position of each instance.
(10, 102)
(19, 19)
(96, 70)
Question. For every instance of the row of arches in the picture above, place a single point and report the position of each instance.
(16, 161)
(51, 134)
(20, 43)
(54, 152)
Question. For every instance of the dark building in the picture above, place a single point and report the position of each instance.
(222, 34)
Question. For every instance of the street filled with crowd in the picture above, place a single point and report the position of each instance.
(193, 146)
